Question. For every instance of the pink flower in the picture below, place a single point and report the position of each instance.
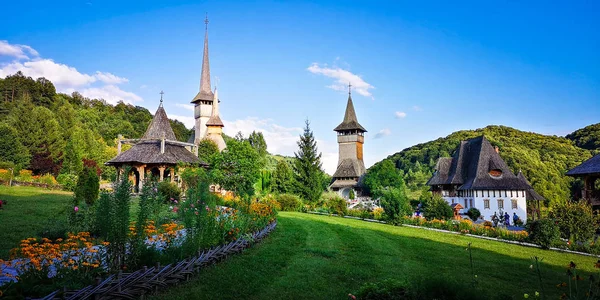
(76, 209)
(192, 205)
(175, 209)
(196, 213)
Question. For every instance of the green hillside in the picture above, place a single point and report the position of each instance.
(587, 137)
(543, 159)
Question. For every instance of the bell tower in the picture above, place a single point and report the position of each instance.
(350, 138)
(203, 101)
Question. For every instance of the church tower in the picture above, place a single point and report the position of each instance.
(351, 168)
(203, 101)
(215, 125)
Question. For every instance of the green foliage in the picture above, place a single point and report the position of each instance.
(265, 181)
(351, 195)
(543, 232)
(587, 137)
(542, 159)
(395, 203)
(382, 175)
(473, 213)
(307, 167)
(88, 186)
(68, 181)
(576, 220)
(257, 140)
(337, 205)
(437, 208)
(283, 178)
(237, 168)
(11, 148)
(72, 163)
(168, 191)
(118, 224)
(206, 149)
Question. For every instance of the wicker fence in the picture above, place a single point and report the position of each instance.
(148, 281)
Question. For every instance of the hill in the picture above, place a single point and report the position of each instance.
(542, 159)
(587, 137)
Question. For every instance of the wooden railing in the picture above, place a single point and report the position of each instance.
(152, 280)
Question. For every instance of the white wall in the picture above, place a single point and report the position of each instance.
(487, 213)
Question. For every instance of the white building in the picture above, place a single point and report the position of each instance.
(476, 176)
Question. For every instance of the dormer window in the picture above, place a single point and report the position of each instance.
(496, 173)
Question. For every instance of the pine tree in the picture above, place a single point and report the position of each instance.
(307, 167)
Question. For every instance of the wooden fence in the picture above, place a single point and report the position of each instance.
(148, 281)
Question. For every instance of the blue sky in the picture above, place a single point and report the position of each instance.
(422, 69)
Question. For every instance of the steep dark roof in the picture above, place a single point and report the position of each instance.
(160, 127)
(349, 168)
(350, 121)
(148, 152)
(471, 165)
(442, 168)
(531, 193)
(205, 93)
(590, 166)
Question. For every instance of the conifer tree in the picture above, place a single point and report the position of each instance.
(283, 178)
(307, 167)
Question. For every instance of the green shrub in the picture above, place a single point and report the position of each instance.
(576, 220)
(88, 186)
(395, 204)
(47, 179)
(289, 202)
(473, 213)
(337, 205)
(543, 232)
(437, 208)
(387, 289)
(169, 191)
(68, 181)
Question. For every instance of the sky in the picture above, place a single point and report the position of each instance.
(420, 70)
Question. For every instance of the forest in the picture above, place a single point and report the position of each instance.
(543, 159)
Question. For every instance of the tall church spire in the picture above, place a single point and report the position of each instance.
(215, 119)
(205, 93)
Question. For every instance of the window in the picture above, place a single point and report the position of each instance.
(452, 201)
(514, 204)
(471, 202)
(486, 203)
(500, 204)
(466, 203)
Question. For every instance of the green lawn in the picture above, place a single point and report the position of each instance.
(321, 257)
(29, 212)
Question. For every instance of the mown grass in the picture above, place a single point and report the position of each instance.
(29, 211)
(321, 257)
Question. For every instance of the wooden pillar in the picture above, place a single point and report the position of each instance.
(172, 170)
(161, 171)
(142, 173)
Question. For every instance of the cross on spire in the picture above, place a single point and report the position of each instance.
(206, 21)
(349, 89)
(161, 96)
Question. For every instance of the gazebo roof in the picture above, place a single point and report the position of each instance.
(590, 166)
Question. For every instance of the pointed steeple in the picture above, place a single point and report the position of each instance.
(205, 93)
(350, 121)
(215, 119)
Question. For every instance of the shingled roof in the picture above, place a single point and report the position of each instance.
(148, 149)
(350, 168)
(215, 119)
(476, 165)
(531, 193)
(205, 93)
(590, 166)
(350, 121)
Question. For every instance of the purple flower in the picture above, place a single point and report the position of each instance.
(76, 209)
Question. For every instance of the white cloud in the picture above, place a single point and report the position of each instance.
(110, 78)
(343, 77)
(189, 107)
(188, 121)
(382, 133)
(280, 139)
(17, 51)
(66, 79)
(400, 114)
(417, 108)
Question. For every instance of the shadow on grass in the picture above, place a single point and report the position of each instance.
(327, 258)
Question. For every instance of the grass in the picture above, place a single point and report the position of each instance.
(321, 257)
(30, 210)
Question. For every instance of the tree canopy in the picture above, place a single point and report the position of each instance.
(307, 167)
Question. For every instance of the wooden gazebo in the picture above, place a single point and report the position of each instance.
(589, 171)
(157, 153)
